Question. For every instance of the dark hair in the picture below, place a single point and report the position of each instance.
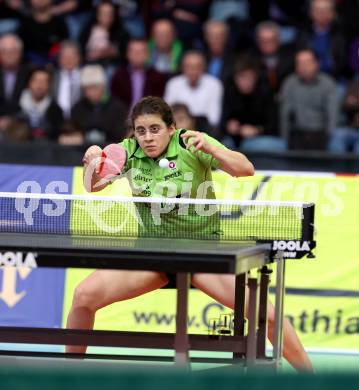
(40, 69)
(152, 105)
(181, 107)
(17, 131)
(71, 127)
(244, 63)
(116, 22)
(136, 40)
(308, 50)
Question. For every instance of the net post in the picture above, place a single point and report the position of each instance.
(308, 222)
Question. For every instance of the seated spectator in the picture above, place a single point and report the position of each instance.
(346, 139)
(194, 87)
(67, 86)
(101, 117)
(188, 17)
(308, 104)
(277, 61)
(219, 58)
(104, 40)
(249, 118)
(77, 13)
(16, 131)
(132, 18)
(42, 33)
(71, 134)
(38, 110)
(130, 83)
(325, 37)
(13, 74)
(165, 50)
(288, 15)
(183, 118)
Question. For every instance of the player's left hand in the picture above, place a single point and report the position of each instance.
(196, 140)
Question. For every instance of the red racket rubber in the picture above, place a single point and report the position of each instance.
(113, 159)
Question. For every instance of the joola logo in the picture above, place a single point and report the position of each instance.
(291, 246)
(18, 259)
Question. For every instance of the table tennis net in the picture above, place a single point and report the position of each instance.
(90, 215)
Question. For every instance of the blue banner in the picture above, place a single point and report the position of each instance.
(33, 297)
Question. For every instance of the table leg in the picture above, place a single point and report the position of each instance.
(239, 308)
(278, 313)
(181, 336)
(262, 320)
(252, 322)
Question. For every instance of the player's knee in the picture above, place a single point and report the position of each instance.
(85, 297)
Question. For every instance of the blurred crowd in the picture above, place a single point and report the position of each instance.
(266, 75)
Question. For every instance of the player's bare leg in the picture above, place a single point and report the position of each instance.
(221, 288)
(104, 287)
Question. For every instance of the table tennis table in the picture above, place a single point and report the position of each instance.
(182, 257)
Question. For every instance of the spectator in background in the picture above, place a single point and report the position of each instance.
(77, 13)
(249, 117)
(183, 117)
(71, 134)
(187, 15)
(308, 104)
(165, 50)
(277, 61)
(235, 13)
(219, 58)
(288, 15)
(38, 110)
(104, 40)
(13, 75)
(194, 87)
(346, 139)
(325, 37)
(130, 83)
(42, 33)
(15, 131)
(132, 18)
(101, 117)
(67, 86)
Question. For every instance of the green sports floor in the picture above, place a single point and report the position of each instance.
(324, 361)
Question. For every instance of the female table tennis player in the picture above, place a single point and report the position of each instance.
(155, 142)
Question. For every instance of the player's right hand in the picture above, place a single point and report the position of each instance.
(93, 156)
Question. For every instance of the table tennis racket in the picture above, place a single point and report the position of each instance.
(113, 159)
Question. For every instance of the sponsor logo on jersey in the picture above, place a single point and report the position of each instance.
(172, 165)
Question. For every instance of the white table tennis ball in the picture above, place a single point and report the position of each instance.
(164, 163)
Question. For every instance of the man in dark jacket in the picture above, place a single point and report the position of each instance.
(130, 83)
(13, 74)
(325, 36)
